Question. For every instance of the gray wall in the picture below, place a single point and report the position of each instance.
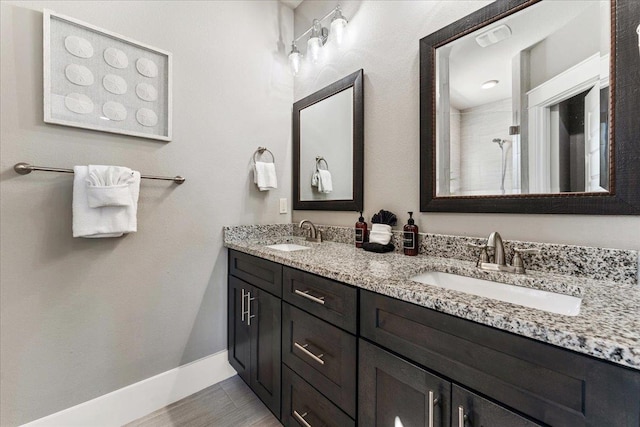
(384, 41)
(81, 318)
(579, 39)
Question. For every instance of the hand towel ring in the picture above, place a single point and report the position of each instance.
(321, 159)
(261, 151)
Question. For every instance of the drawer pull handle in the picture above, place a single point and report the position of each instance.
(307, 295)
(303, 348)
(301, 418)
(432, 407)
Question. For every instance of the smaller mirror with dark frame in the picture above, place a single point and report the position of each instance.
(328, 147)
(568, 66)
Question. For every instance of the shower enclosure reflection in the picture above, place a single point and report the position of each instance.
(522, 105)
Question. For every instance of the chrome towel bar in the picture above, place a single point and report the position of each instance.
(25, 168)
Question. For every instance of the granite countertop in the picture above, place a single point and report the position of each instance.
(607, 327)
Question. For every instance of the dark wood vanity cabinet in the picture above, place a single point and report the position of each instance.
(254, 329)
(393, 391)
(319, 346)
(301, 403)
(346, 356)
(470, 410)
(539, 383)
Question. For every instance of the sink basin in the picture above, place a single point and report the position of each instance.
(534, 298)
(288, 247)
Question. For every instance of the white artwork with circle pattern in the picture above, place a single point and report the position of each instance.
(99, 80)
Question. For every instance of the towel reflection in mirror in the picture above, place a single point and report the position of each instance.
(321, 178)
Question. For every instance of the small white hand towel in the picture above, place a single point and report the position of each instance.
(109, 186)
(108, 221)
(264, 176)
(325, 185)
(380, 233)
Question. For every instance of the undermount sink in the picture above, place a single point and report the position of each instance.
(288, 247)
(534, 298)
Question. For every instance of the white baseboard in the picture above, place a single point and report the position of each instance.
(137, 400)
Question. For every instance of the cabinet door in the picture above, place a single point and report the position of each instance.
(238, 341)
(264, 318)
(470, 410)
(394, 392)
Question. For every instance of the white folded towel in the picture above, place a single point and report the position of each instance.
(264, 176)
(109, 186)
(380, 233)
(325, 185)
(107, 221)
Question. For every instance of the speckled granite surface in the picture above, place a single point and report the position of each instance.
(608, 326)
(620, 266)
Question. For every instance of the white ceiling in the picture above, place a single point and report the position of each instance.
(471, 65)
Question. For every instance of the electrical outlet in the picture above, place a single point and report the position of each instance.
(283, 206)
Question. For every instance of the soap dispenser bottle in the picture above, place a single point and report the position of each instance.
(361, 231)
(410, 237)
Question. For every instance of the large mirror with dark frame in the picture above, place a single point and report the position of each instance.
(328, 147)
(531, 106)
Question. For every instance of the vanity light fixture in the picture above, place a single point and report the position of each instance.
(489, 84)
(295, 57)
(339, 25)
(316, 41)
(318, 37)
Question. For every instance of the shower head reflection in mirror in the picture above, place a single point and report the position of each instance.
(501, 143)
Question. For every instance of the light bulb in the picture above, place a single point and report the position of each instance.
(313, 48)
(294, 59)
(338, 26)
(315, 41)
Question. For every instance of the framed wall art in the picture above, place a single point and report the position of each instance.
(96, 79)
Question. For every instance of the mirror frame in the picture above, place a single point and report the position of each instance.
(356, 203)
(623, 197)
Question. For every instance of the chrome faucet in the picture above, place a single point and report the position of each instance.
(313, 235)
(495, 242)
(496, 261)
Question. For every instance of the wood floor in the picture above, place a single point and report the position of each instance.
(229, 403)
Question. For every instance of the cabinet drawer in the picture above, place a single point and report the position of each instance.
(476, 411)
(322, 354)
(555, 386)
(259, 272)
(332, 301)
(300, 400)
